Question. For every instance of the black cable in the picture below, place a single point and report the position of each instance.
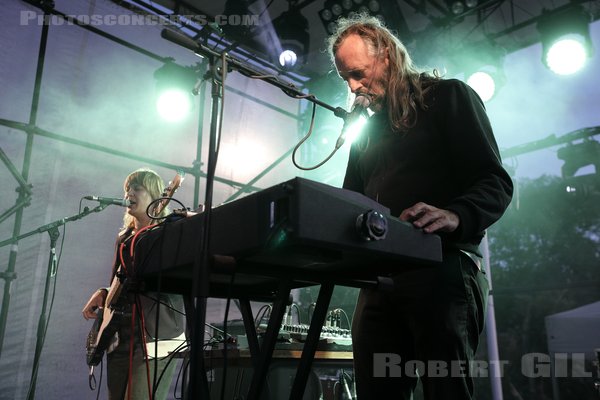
(158, 242)
(51, 306)
(62, 242)
(158, 303)
(338, 144)
(340, 310)
(226, 317)
(100, 382)
(156, 324)
(142, 335)
(154, 335)
(169, 306)
(170, 358)
(351, 379)
(297, 313)
(222, 113)
(340, 140)
(263, 309)
(157, 200)
(258, 312)
(182, 372)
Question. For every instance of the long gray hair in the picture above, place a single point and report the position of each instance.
(405, 89)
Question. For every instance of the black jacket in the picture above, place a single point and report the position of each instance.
(449, 160)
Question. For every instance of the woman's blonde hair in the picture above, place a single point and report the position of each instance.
(152, 182)
(405, 87)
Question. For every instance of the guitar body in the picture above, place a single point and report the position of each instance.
(101, 335)
(114, 313)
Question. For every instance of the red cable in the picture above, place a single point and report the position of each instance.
(135, 237)
(142, 319)
(121, 257)
(132, 247)
(143, 324)
(145, 350)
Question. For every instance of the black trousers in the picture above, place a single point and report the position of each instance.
(119, 363)
(427, 328)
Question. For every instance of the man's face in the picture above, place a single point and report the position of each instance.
(363, 72)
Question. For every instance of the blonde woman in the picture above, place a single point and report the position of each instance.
(141, 187)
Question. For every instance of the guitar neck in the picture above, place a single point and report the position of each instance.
(167, 194)
(114, 292)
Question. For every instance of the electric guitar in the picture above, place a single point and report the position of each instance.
(107, 323)
(116, 306)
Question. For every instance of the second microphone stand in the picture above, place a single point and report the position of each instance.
(52, 229)
(198, 388)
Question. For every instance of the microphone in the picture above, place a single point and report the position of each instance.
(180, 39)
(110, 200)
(359, 107)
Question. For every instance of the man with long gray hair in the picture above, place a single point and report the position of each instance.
(429, 154)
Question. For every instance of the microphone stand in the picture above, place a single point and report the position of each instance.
(52, 229)
(198, 388)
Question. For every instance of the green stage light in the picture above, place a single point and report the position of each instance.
(173, 105)
(482, 65)
(174, 85)
(566, 42)
(567, 55)
(483, 83)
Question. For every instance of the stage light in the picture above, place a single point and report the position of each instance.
(374, 6)
(482, 66)
(334, 9)
(578, 156)
(326, 15)
(292, 30)
(456, 7)
(173, 105)
(483, 83)
(566, 56)
(288, 58)
(174, 85)
(566, 42)
(486, 80)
